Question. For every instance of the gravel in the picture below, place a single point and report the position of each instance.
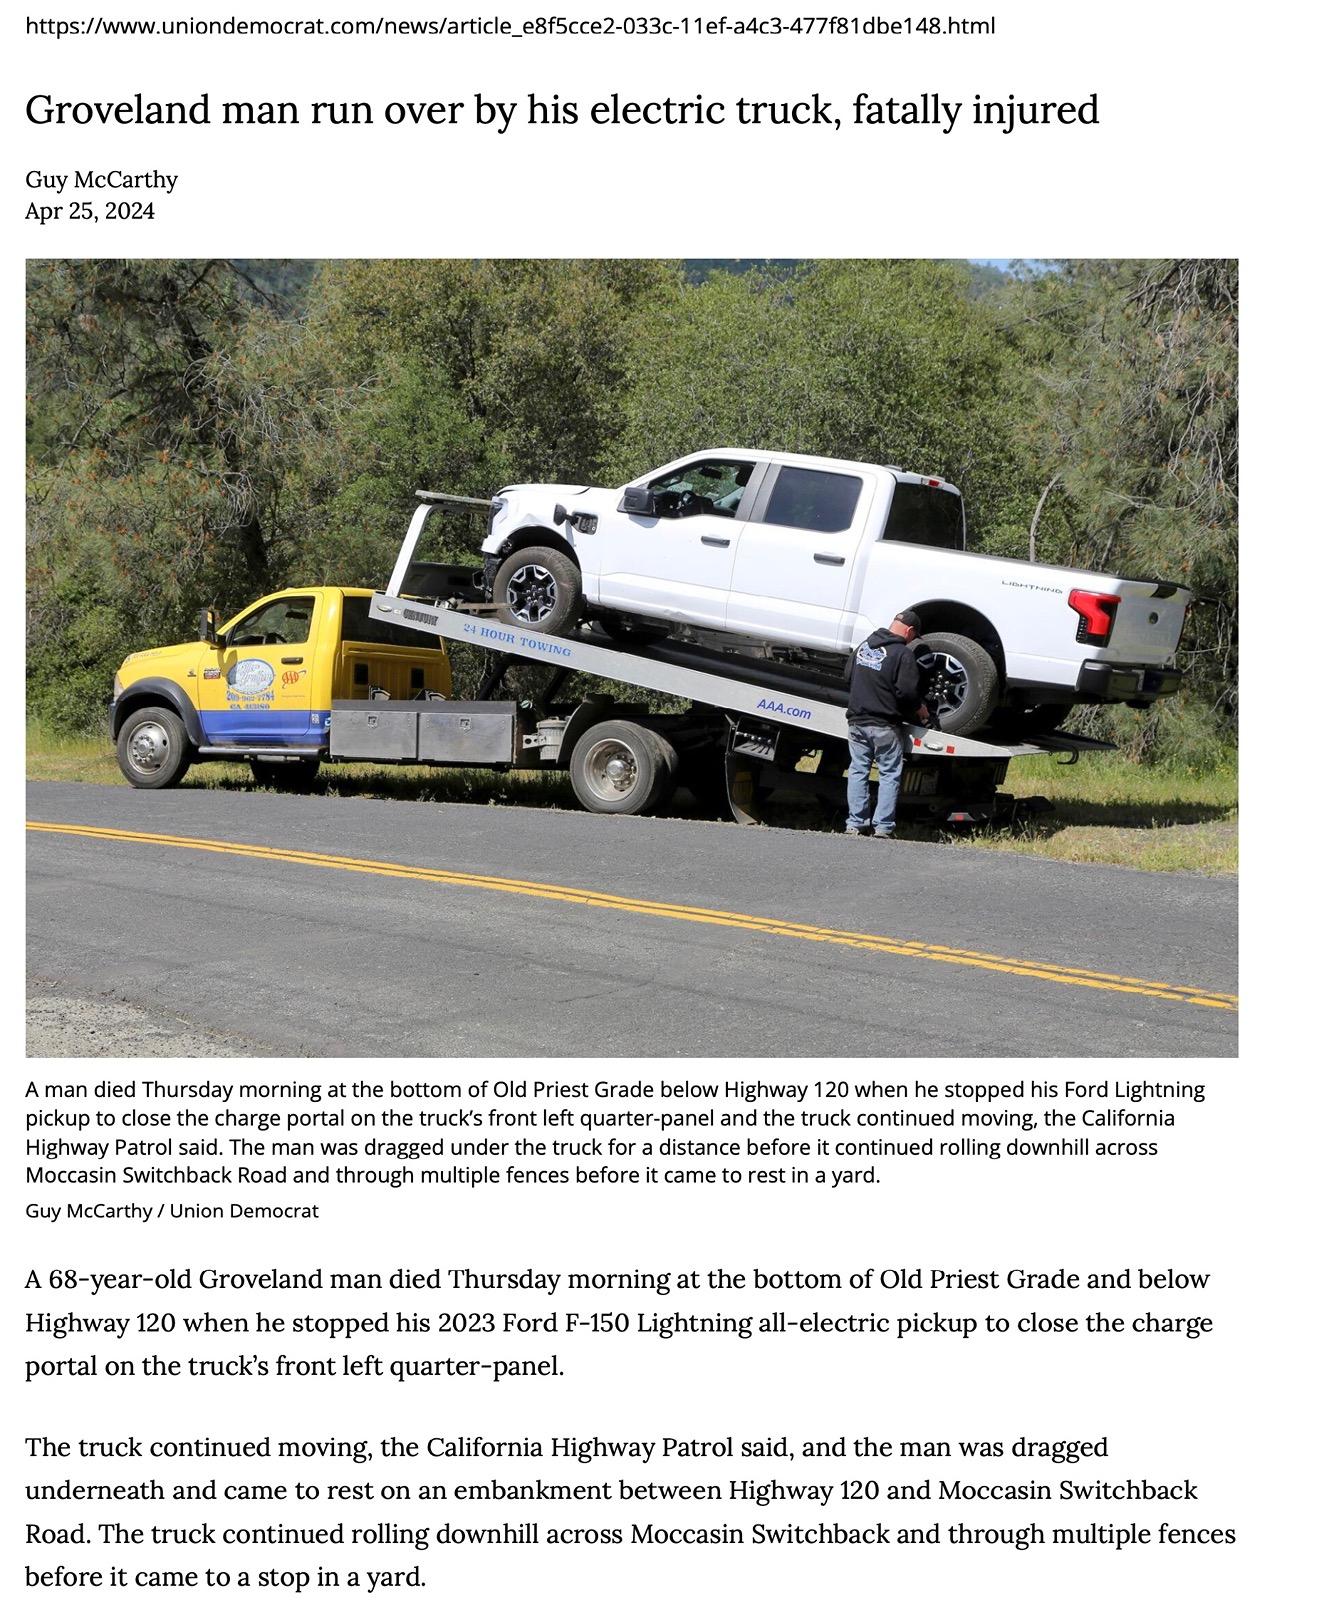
(71, 1025)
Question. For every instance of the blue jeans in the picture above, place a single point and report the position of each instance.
(885, 745)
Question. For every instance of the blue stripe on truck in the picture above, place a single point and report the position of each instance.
(306, 729)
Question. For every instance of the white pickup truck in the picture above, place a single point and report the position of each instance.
(800, 558)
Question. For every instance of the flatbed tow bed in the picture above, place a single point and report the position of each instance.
(754, 730)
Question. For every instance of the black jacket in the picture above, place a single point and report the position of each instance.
(884, 680)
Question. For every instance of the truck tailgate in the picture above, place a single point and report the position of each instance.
(1149, 621)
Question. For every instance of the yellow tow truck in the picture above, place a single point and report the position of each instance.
(261, 687)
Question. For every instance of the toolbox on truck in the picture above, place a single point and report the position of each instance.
(457, 732)
(470, 732)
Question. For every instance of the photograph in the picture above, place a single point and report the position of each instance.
(603, 621)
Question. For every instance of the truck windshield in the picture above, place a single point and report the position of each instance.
(920, 514)
(706, 488)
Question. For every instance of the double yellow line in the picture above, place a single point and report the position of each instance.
(880, 944)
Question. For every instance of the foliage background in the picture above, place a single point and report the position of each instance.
(204, 431)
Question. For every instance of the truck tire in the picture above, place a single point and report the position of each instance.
(672, 766)
(540, 589)
(153, 749)
(287, 777)
(621, 767)
(965, 681)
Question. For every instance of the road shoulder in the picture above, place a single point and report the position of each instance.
(61, 1025)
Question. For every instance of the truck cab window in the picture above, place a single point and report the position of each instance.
(706, 488)
(920, 514)
(821, 502)
(357, 626)
(279, 622)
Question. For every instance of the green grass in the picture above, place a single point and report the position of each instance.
(1108, 810)
(71, 757)
(1111, 810)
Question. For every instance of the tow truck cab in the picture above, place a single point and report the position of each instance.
(262, 684)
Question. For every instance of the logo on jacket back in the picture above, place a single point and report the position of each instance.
(868, 657)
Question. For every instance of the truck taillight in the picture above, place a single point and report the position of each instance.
(1097, 613)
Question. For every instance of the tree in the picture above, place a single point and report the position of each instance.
(887, 361)
(1132, 399)
(163, 404)
(468, 375)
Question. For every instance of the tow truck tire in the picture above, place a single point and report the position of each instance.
(153, 749)
(621, 768)
(971, 678)
(540, 589)
(672, 767)
(288, 777)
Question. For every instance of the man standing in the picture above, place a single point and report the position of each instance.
(884, 688)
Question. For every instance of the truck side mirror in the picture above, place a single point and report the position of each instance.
(207, 626)
(638, 500)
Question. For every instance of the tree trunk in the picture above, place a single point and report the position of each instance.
(1038, 512)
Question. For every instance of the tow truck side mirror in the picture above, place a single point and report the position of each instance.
(638, 501)
(207, 626)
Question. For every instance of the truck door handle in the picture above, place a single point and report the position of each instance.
(291, 661)
(720, 544)
(829, 561)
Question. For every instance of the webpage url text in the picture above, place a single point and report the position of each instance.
(543, 27)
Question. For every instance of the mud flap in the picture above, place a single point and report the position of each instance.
(742, 787)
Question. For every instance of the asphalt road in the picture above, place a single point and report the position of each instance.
(602, 936)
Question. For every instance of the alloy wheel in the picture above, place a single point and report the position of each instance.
(532, 593)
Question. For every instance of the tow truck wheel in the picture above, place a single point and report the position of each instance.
(669, 782)
(962, 682)
(538, 588)
(289, 777)
(620, 767)
(153, 748)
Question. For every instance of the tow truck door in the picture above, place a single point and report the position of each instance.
(256, 686)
